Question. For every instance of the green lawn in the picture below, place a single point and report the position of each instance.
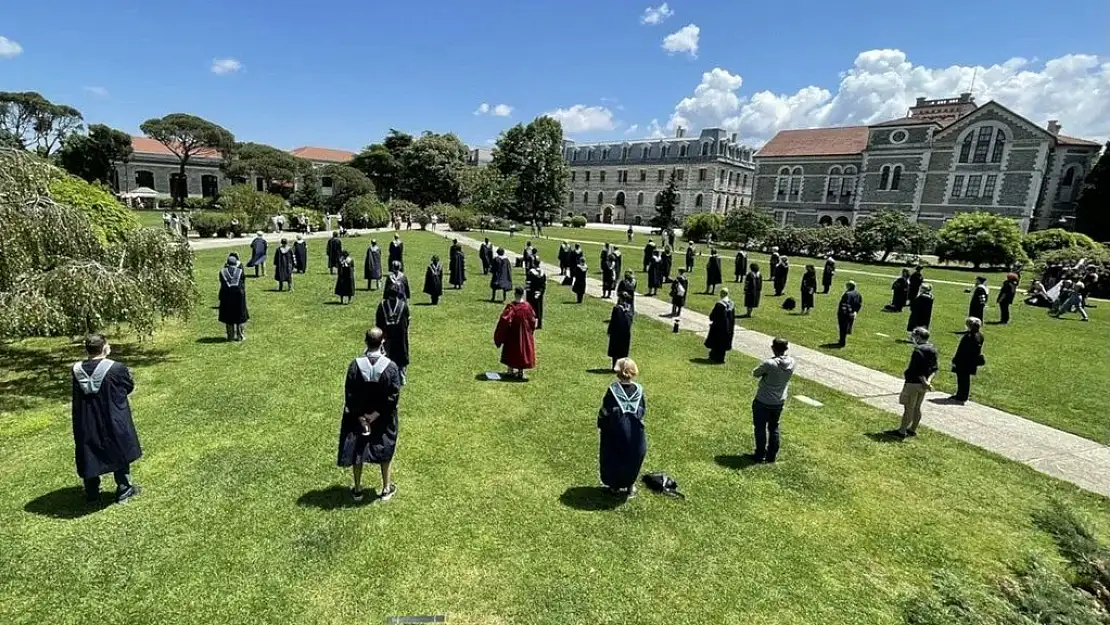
(150, 218)
(1051, 370)
(245, 516)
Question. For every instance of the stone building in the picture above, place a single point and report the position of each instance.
(947, 156)
(479, 157)
(621, 181)
(155, 167)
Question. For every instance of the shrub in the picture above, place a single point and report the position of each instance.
(258, 206)
(744, 225)
(578, 221)
(461, 219)
(365, 211)
(314, 218)
(1037, 243)
(835, 240)
(980, 238)
(1087, 557)
(790, 240)
(110, 219)
(237, 224)
(701, 226)
(197, 203)
(209, 223)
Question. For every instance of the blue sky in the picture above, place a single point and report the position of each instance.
(340, 74)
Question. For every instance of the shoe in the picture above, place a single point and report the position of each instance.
(122, 496)
(631, 492)
(356, 495)
(769, 460)
(93, 500)
(911, 433)
(758, 457)
(388, 492)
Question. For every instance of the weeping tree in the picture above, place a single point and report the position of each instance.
(60, 277)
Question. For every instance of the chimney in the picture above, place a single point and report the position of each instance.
(1054, 126)
(920, 101)
(679, 132)
(965, 96)
(733, 137)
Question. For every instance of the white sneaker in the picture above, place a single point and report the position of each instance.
(388, 492)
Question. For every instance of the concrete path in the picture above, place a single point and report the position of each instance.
(276, 237)
(1071, 458)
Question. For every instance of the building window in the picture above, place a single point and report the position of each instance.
(1069, 177)
(660, 175)
(834, 182)
(744, 185)
(573, 175)
(571, 200)
(645, 153)
(988, 185)
(574, 156)
(965, 148)
(895, 177)
(663, 152)
(619, 201)
(680, 174)
(741, 202)
(179, 185)
(884, 177)
(796, 183)
(999, 146)
(973, 183)
(589, 155)
(326, 182)
(682, 150)
(585, 197)
(705, 149)
(782, 183)
(624, 153)
(849, 185)
(600, 198)
(722, 180)
(698, 199)
(601, 176)
(640, 198)
(587, 176)
(957, 186)
(260, 184)
(701, 174)
(899, 136)
(605, 154)
(980, 143)
(658, 198)
(643, 175)
(144, 178)
(982, 146)
(209, 185)
(718, 203)
(730, 179)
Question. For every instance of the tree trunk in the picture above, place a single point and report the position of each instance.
(178, 198)
(886, 254)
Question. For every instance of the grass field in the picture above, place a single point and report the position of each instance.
(497, 520)
(1050, 370)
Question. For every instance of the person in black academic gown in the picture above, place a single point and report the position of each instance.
(433, 280)
(620, 328)
(827, 274)
(679, 289)
(300, 254)
(979, 296)
(915, 281)
(335, 250)
(392, 316)
(104, 436)
(921, 309)
(722, 326)
(485, 255)
(578, 283)
(968, 358)
(713, 272)
(774, 261)
(284, 265)
(899, 290)
(740, 266)
(605, 252)
(535, 282)
(690, 258)
(649, 252)
(780, 274)
(345, 280)
(564, 258)
(1006, 295)
(618, 261)
(628, 285)
(501, 276)
(258, 254)
(654, 273)
(850, 304)
(753, 289)
(397, 283)
(368, 429)
(372, 266)
(397, 251)
(608, 276)
(233, 298)
(457, 265)
(809, 288)
(620, 422)
(667, 264)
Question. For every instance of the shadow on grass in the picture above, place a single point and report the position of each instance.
(206, 340)
(333, 303)
(424, 304)
(831, 346)
(332, 498)
(31, 375)
(601, 371)
(888, 436)
(590, 499)
(481, 377)
(705, 361)
(736, 462)
(64, 503)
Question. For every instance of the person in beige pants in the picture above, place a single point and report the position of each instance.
(918, 380)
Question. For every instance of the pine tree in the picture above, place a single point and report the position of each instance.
(668, 201)
(1091, 215)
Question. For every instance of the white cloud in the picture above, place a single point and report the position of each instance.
(632, 129)
(9, 49)
(684, 39)
(99, 92)
(497, 110)
(581, 118)
(655, 131)
(656, 15)
(883, 84)
(482, 109)
(225, 66)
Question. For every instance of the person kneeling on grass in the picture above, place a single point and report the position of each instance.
(368, 431)
(620, 422)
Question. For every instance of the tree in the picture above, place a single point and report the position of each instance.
(94, 157)
(307, 193)
(430, 169)
(488, 192)
(532, 157)
(365, 211)
(701, 226)
(31, 120)
(267, 162)
(1037, 243)
(187, 136)
(258, 206)
(346, 183)
(980, 238)
(664, 209)
(746, 224)
(59, 278)
(886, 231)
(380, 166)
(1091, 216)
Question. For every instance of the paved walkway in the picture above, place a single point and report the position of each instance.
(1071, 458)
(274, 237)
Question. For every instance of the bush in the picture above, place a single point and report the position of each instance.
(258, 206)
(111, 220)
(365, 211)
(790, 240)
(701, 226)
(210, 223)
(314, 218)
(980, 238)
(197, 203)
(578, 221)
(461, 219)
(836, 240)
(1037, 243)
(744, 225)
(237, 224)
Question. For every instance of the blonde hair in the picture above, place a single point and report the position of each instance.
(626, 369)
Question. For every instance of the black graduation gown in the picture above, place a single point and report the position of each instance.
(457, 266)
(608, 275)
(300, 254)
(978, 305)
(809, 288)
(680, 288)
(689, 259)
(372, 266)
(536, 287)
(753, 289)
(850, 302)
(397, 253)
(284, 263)
(604, 255)
(713, 271)
(623, 444)
(782, 272)
(827, 274)
(898, 292)
(433, 280)
(740, 266)
(335, 249)
(1006, 293)
(968, 354)
(258, 252)
(722, 326)
(774, 263)
(618, 261)
(649, 252)
(921, 312)
(666, 265)
(233, 296)
(361, 397)
(397, 285)
(655, 273)
(564, 257)
(916, 280)
(345, 278)
(620, 331)
(578, 286)
(392, 317)
(485, 255)
(628, 285)
(104, 433)
(501, 274)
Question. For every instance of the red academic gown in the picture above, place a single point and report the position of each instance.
(514, 335)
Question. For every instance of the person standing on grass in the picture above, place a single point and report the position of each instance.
(679, 288)
(372, 266)
(485, 255)
(722, 327)
(397, 249)
(258, 255)
(300, 254)
(654, 273)
(605, 252)
(979, 296)
(827, 274)
(368, 429)
(739, 266)
(564, 258)
(392, 316)
(779, 275)
(620, 328)
(753, 289)
(629, 233)
(397, 283)
(850, 304)
(501, 276)
(968, 359)
(917, 381)
(713, 272)
(345, 278)
(628, 286)
(774, 260)
(774, 382)
(608, 276)
(233, 298)
(104, 436)
(921, 309)
(1006, 294)
(457, 265)
(535, 282)
(433, 280)
(284, 265)
(515, 336)
(649, 253)
(620, 423)
(666, 259)
(578, 280)
(809, 288)
(690, 258)
(915, 281)
(335, 251)
(618, 261)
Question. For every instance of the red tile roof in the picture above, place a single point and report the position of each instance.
(146, 145)
(322, 154)
(1065, 140)
(817, 142)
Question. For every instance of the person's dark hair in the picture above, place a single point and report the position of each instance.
(395, 265)
(334, 233)
(779, 346)
(285, 241)
(754, 267)
(435, 258)
(519, 291)
(624, 296)
(455, 241)
(374, 338)
(345, 254)
(500, 251)
(94, 344)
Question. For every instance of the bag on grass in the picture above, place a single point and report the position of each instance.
(789, 303)
(662, 483)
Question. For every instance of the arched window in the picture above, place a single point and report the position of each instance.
(663, 152)
(983, 144)
(825, 221)
(640, 198)
(605, 154)
(848, 185)
(179, 185)
(698, 199)
(658, 199)
(1069, 177)
(884, 178)
(705, 149)
(209, 185)
(585, 197)
(895, 177)
(999, 146)
(144, 178)
(1069, 184)
(600, 197)
(624, 153)
(834, 182)
(682, 150)
(796, 183)
(782, 183)
(619, 201)
(590, 155)
(638, 220)
(965, 148)
(574, 156)
(843, 221)
(644, 153)
(571, 200)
